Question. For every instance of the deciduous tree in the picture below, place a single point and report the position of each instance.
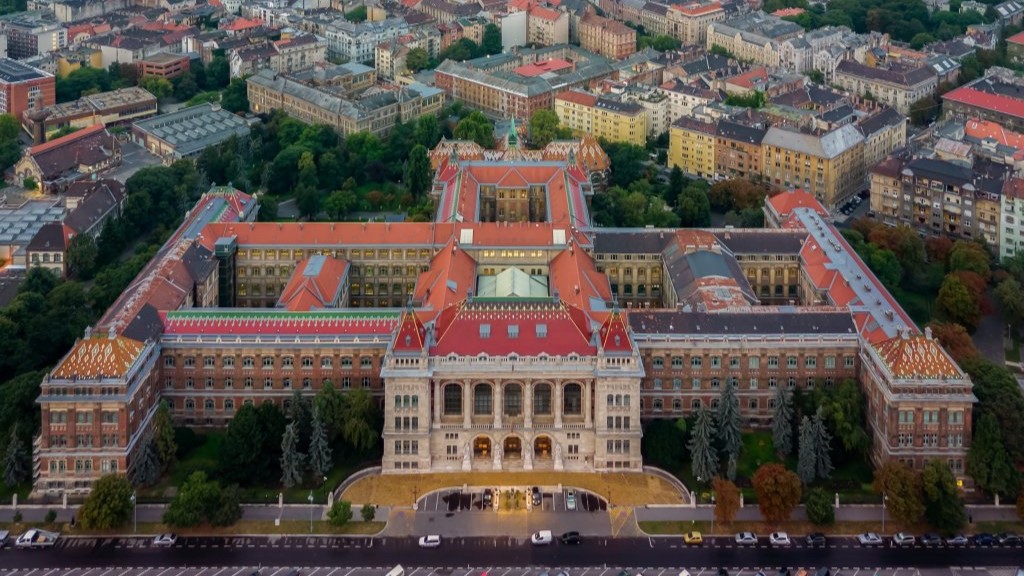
(476, 127)
(703, 458)
(417, 171)
(491, 41)
(727, 500)
(340, 513)
(943, 507)
(955, 339)
(368, 512)
(778, 491)
(987, 460)
(339, 204)
(842, 407)
(1010, 298)
(970, 256)
(359, 421)
(956, 303)
(417, 59)
(782, 422)
(820, 508)
(203, 501)
(901, 488)
(545, 127)
(109, 505)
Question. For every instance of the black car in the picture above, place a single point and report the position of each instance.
(536, 496)
(984, 539)
(1008, 538)
(571, 538)
(784, 572)
(815, 539)
(488, 497)
(931, 539)
(723, 572)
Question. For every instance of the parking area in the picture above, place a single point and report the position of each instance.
(481, 499)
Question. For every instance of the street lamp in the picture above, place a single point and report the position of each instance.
(885, 498)
(135, 513)
(310, 498)
(712, 513)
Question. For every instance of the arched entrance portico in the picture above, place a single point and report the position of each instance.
(481, 447)
(512, 447)
(542, 447)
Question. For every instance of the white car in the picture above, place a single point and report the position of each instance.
(746, 538)
(570, 499)
(542, 538)
(869, 539)
(779, 539)
(430, 541)
(165, 540)
(903, 539)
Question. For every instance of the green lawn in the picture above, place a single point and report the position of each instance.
(757, 450)
(204, 457)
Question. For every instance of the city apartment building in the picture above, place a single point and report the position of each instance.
(32, 34)
(689, 23)
(939, 197)
(22, 87)
(884, 131)
(615, 121)
(996, 98)
(547, 26)
(1011, 209)
(738, 152)
(753, 37)
(898, 86)
(683, 98)
(606, 37)
(829, 165)
(509, 334)
(338, 102)
(356, 41)
(692, 147)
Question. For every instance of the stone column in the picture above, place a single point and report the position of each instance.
(498, 403)
(557, 407)
(528, 404)
(467, 404)
(587, 395)
(437, 404)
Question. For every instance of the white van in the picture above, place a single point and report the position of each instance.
(397, 571)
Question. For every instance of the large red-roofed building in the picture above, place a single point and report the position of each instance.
(539, 344)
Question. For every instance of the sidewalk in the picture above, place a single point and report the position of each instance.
(152, 513)
(852, 513)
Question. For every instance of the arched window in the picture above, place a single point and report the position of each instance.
(452, 399)
(572, 399)
(625, 400)
(610, 399)
(482, 399)
(208, 405)
(398, 401)
(618, 399)
(512, 402)
(190, 404)
(406, 402)
(229, 405)
(695, 404)
(542, 399)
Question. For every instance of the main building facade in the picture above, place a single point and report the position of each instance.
(506, 335)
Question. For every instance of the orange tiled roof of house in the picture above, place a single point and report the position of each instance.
(545, 13)
(99, 357)
(783, 12)
(751, 79)
(242, 24)
(982, 129)
(784, 203)
(696, 9)
(578, 97)
(917, 356)
(1013, 187)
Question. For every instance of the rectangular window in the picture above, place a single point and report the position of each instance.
(791, 361)
(754, 362)
(696, 362)
(773, 361)
(848, 361)
(811, 362)
(830, 361)
(658, 363)
(716, 361)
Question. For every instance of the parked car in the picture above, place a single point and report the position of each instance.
(542, 538)
(869, 539)
(957, 540)
(779, 539)
(571, 538)
(562, 573)
(903, 539)
(746, 538)
(693, 538)
(36, 538)
(684, 572)
(815, 539)
(1008, 538)
(3, 537)
(488, 498)
(570, 499)
(537, 496)
(430, 541)
(984, 539)
(931, 539)
(165, 540)
(722, 572)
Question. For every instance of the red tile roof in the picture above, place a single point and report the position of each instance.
(574, 275)
(538, 68)
(545, 13)
(577, 97)
(1017, 38)
(1013, 187)
(317, 282)
(785, 202)
(983, 129)
(783, 12)
(986, 101)
(504, 328)
(242, 24)
(66, 139)
(752, 79)
(917, 356)
(696, 9)
(411, 336)
(451, 275)
(614, 335)
(99, 357)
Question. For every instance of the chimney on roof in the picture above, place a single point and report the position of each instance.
(88, 332)
(928, 332)
(111, 333)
